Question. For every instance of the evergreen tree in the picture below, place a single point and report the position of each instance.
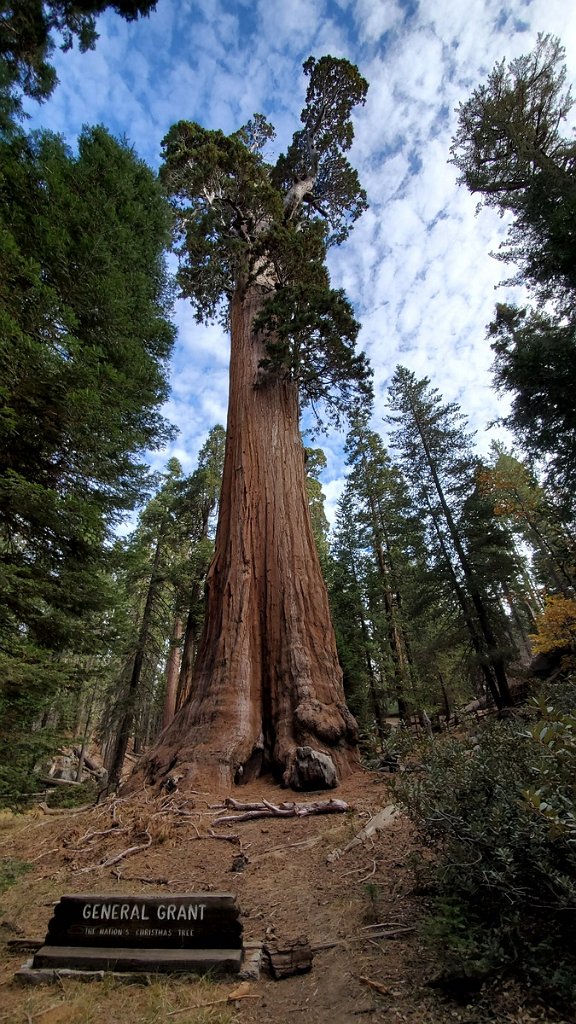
(84, 344)
(519, 500)
(252, 240)
(27, 38)
(436, 455)
(510, 150)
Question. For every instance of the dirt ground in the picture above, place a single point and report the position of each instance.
(286, 888)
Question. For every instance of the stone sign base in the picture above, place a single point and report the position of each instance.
(245, 963)
(150, 960)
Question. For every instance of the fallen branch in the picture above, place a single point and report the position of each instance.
(33, 860)
(391, 934)
(383, 990)
(119, 856)
(265, 809)
(370, 873)
(241, 992)
(380, 821)
(64, 810)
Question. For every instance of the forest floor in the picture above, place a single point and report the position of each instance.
(287, 888)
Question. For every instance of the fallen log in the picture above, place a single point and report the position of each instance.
(265, 809)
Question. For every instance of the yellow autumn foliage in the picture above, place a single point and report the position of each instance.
(556, 625)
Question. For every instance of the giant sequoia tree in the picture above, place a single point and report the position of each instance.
(267, 691)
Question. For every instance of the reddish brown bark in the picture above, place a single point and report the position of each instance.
(172, 671)
(267, 679)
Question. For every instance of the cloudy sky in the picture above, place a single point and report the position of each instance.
(417, 266)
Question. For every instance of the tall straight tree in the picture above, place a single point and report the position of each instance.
(84, 345)
(511, 150)
(267, 693)
(436, 456)
(390, 529)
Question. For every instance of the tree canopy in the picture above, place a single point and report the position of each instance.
(30, 29)
(240, 219)
(511, 150)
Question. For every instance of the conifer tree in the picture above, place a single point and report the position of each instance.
(30, 30)
(252, 239)
(84, 345)
(511, 150)
(436, 456)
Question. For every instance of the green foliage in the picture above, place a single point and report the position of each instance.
(241, 223)
(11, 870)
(510, 149)
(21, 750)
(27, 41)
(553, 793)
(316, 151)
(502, 883)
(468, 547)
(535, 361)
(84, 346)
(73, 796)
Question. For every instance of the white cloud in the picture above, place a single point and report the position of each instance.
(417, 267)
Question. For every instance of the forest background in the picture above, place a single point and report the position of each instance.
(404, 561)
(449, 563)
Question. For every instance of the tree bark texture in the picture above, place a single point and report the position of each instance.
(172, 671)
(267, 692)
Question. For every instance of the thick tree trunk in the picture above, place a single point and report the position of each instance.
(267, 690)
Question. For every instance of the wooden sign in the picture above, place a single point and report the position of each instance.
(190, 932)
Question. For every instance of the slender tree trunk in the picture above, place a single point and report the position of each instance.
(267, 682)
(127, 720)
(172, 671)
(497, 662)
(189, 648)
(491, 683)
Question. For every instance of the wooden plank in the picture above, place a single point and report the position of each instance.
(150, 960)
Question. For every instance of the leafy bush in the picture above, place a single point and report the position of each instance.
(502, 874)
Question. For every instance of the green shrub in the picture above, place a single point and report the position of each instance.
(501, 879)
(10, 871)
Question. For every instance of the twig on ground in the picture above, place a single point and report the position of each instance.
(63, 810)
(232, 997)
(370, 873)
(119, 856)
(376, 985)
(32, 860)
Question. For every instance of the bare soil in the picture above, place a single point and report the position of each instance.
(286, 888)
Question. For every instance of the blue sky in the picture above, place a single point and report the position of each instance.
(417, 266)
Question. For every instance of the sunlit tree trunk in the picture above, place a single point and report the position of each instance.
(267, 682)
(172, 671)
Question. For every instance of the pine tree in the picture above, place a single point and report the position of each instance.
(84, 344)
(510, 150)
(27, 38)
(436, 456)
